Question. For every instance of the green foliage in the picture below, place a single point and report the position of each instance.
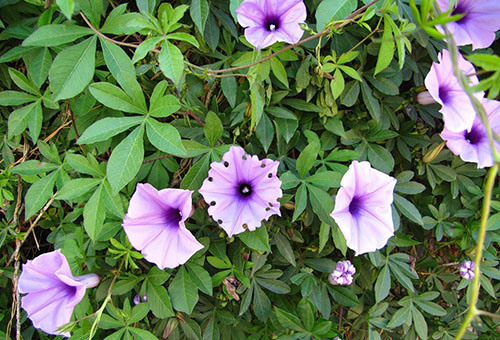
(98, 96)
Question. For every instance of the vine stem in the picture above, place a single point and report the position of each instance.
(485, 211)
(214, 73)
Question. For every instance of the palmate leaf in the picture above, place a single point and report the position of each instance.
(73, 69)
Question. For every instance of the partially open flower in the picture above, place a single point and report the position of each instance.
(474, 146)
(137, 299)
(478, 25)
(155, 225)
(242, 191)
(269, 21)
(342, 275)
(458, 112)
(467, 270)
(52, 291)
(363, 207)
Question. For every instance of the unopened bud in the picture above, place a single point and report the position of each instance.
(425, 98)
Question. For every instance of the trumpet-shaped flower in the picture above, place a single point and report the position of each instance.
(269, 21)
(52, 291)
(342, 275)
(478, 25)
(467, 269)
(458, 112)
(155, 225)
(474, 146)
(242, 191)
(363, 207)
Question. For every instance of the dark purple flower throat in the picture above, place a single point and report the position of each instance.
(245, 189)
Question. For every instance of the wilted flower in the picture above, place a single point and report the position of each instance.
(467, 270)
(458, 112)
(154, 225)
(242, 191)
(53, 292)
(363, 207)
(267, 21)
(474, 146)
(478, 25)
(342, 275)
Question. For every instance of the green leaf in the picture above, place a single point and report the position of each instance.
(39, 66)
(108, 127)
(184, 37)
(380, 157)
(228, 85)
(257, 239)
(94, 214)
(164, 137)
(12, 98)
(196, 174)
(324, 235)
(198, 10)
(383, 284)
(126, 160)
(275, 286)
(289, 320)
(284, 248)
(370, 101)
(300, 201)
(337, 85)
(123, 70)
(261, 304)
(20, 118)
(307, 157)
(22, 82)
(279, 71)
(326, 179)
(164, 106)
(76, 187)
(141, 334)
(66, 7)
(408, 209)
(38, 194)
(321, 202)
(213, 128)
(171, 62)
(114, 97)
(145, 47)
(33, 167)
(306, 312)
(201, 277)
(73, 69)
(183, 291)
(159, 301)
(420, 323)
(344, 296)
(386, 51)
(265, 132)
(54, 35)
(333, 10)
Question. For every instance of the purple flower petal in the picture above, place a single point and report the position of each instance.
(363, 207)
(155, 225)
(474, 146)
(458, 112)
(479, 24)
(343, 273)
(52, 291)
(269, 21)
(242, 191)
(467, 269)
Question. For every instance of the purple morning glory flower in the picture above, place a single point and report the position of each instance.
(478, 25)
(52, 291)
(269, 21)
(458, 112)
(467, 270)
(474, 146)
(363, 207)
(342, 275)
(242, 191)
(154, 225)
(137, 299)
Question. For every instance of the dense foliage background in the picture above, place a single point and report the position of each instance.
(98, 95)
